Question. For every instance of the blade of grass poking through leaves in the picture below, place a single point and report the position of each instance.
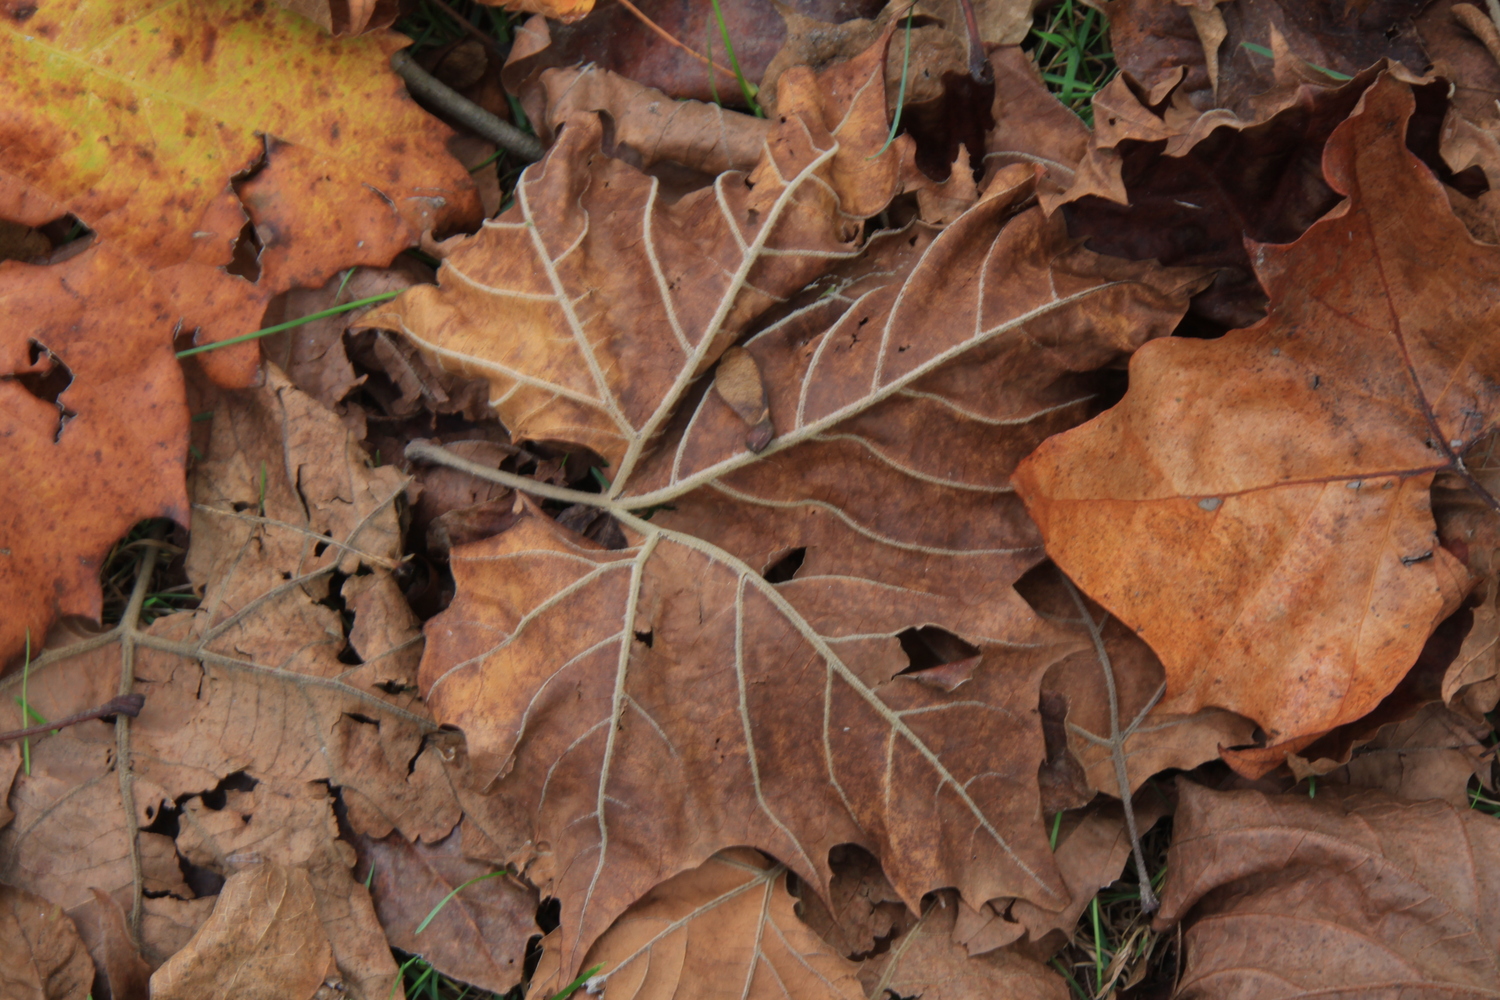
(1098, 944)
(1073, 984)
(901, 91)
(344, 283)
(746, 87)
(1056, 828)
(1261, 50)
(445, 900)
(289, 324)
(583, 977)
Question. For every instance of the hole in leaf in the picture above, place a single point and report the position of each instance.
(320, 548)
(785, 566)
(648, 637)
(549, 914)
(930, 646)
(359, 717)
(47, 381)
(247, 248)
(217, 798)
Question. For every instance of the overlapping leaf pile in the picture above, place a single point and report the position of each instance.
(822, 553)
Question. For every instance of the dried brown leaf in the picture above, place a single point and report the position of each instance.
(44, 959)
(724, 928)
(927, 962)
(479, 936)
(1356, 896)
(263, 942)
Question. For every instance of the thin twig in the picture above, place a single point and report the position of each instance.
(464, 111)
(667, 36)
(129, 704)
(1117, 743)
(129, 623)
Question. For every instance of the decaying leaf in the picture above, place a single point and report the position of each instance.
(1281, 474)
(847, 747)
(479, 936)
(723, 928)
(1361, 895)
(1226, 65)
(1112, 689)
(263, 942)
(348, 17)
(927, 962)
(44, 959)
(189, 97)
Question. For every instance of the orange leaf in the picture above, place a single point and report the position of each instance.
(1257, 507)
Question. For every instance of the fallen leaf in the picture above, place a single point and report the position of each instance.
(717, 258)
(1153, 40)
(1362, 895)
(1093, 849)
(1167, 183)
(1032, 126)
(44, 957)
(845, 399)
(478, 936)
(106, 435)
(262, 942)
(650, 127)
(350, 17)
(120, 969)
(723, 928)
(1464, 60)
(1274, 477)
(863, 911)
(563, 10)
(926, 962)
(618, 39)
(1112, 689)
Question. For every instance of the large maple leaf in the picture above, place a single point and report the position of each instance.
(144, 125)
(736, 674)
(1257, 507)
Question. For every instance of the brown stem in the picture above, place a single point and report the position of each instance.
(976, 45)
(130, 624)
(464, 111)
(129, 704)
(673, 41)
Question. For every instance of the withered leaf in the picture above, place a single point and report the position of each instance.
(927, 962)
(563, 669)
(1361, 895)
(589, 253)
(263, 942)
(479, 936)
(1257, 507)
(44, 959)
(724, 928)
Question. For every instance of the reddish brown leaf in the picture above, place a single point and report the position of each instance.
(478, 936)
(1257, 507)
(1360, 896)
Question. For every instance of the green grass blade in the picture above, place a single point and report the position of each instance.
(1261, 50)
(289, 324)
(901, 91)
(583, 977)
(746, 87)
(446, 899)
